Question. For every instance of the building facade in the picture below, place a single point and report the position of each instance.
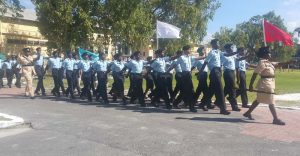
(18, 33)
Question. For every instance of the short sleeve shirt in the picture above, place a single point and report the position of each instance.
(213, 59)
(100, 65)
(136, 66)
(228, 62)
(198, 64)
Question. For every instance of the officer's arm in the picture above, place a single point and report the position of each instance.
(254, 75)
(230, 54)
(200, 58)
(203, 66)
(37, 58)
(237, 76)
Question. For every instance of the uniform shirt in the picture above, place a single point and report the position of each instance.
(168, 65)
(198, 64)
(159, 65)
(213, 59)
(185, 62)
(1, 64)
(40, 61)
(7, 65)
(135, 66)
(228, 62)
(55, 63)
(85, 65)
(100, 65)
(13, 62)
(242, 65)
(117, 66)
(76, 64)
(68, 64)
(177, 67)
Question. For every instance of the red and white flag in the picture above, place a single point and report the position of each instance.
(273, 33)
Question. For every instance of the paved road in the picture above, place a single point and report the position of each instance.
(60, 127)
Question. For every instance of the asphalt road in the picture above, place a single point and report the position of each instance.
(63, 128)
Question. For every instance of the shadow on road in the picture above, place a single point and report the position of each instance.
(231, 120)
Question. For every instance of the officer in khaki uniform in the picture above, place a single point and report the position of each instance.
(265, 86)
(27, 62)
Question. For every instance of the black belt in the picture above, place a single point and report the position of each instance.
(266, 77)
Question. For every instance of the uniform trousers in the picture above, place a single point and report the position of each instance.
(169, 84)
(137, 88)
(102, 85)
(28, 72)
(9, 76)
(40, 74)
(118, 85)
(77, 80)
(178, 89)
(16, 72)
(1, 77)
(56, 79)
(86, 90)
(70, 80)
(229, 89)
(161, 90)
(216, 88)
(242, 91)
(202, 88)
(188, 89)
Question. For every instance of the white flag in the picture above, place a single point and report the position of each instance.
(165, 30)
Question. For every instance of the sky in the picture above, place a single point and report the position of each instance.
(233, 12)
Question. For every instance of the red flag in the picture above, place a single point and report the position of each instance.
(273, 33)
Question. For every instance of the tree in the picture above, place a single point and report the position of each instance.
(249, 34)
(65, 23)
(130, 24)
(14, 6)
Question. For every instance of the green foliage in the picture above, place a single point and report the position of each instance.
(65, 23)
(249, 34)
(128, 23)
(12, 6)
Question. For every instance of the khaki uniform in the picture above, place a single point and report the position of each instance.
(27, 71)
(266, 83)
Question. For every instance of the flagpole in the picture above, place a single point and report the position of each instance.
(263, 24)
(157, 43)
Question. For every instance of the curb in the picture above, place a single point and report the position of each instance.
(15, 121)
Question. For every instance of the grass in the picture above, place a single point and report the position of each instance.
(286, 82)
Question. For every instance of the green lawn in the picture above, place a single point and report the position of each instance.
(286, 82)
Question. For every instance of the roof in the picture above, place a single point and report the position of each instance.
(28, 14)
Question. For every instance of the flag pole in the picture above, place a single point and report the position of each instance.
(157, 43)
(263, 24)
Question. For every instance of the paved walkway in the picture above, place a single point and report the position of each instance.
(64, 127)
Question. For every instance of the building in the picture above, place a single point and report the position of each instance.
(18, 33)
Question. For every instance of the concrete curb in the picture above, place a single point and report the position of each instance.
(15, 121)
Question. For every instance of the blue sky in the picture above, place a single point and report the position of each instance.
(233, 12)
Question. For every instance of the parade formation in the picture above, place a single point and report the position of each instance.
(158, 73)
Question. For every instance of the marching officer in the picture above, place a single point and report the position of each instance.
(68, 66)
(228, 63)
(179, 82)
(54, 64)
(86, 76)
(215, 85)
(136, 68)
(202, 82)
(39, 69)
(27, 63)
(118, 85)
(16, 69)
(8, 70)
(100, 68)
(265, 86)
(77, 76)
(159, 71)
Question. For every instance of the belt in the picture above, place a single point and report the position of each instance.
(136, 73)
(27, 65)
(266, 77)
